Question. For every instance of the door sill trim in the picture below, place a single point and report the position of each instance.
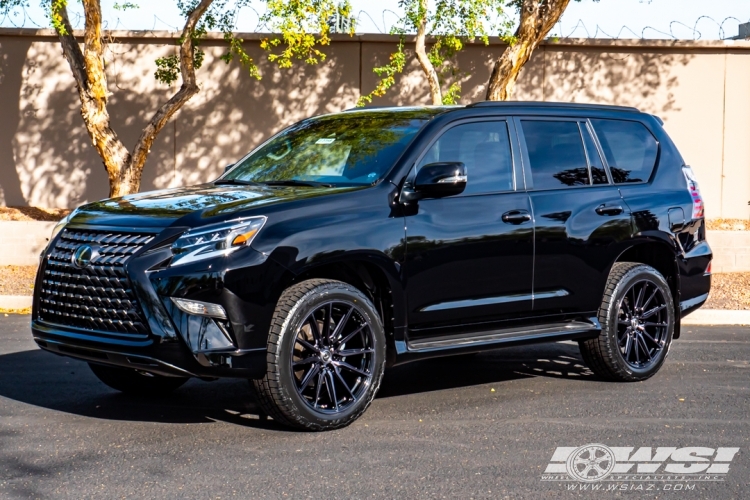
(515, 334)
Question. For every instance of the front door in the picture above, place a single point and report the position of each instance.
(469, 258)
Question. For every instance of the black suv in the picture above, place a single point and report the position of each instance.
(356, 241)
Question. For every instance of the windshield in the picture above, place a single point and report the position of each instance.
(343, 150)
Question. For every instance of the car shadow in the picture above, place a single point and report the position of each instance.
(63, 384)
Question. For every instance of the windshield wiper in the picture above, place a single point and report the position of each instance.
(292, 182)
(237, 182)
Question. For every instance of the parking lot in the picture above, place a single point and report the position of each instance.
(473, 427)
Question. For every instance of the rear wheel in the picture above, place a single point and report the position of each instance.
(637, 317)
(134, 382)
(326, 356)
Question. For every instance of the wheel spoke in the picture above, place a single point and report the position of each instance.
(628, 347)
(308, 376)
(343, 382)
(330, 390)
(306, 361)
(654, 324)
(646, 350)
(307, 344)
(329, 374)
(349, 337)
(317, 388)
(653, 311)
(653, 294)
(314, 327)
(640, 296)
(354, 352)
(347, 366)
(341, 324)
(327, 316)
(646, 335)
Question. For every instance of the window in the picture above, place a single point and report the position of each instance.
(629, 147)
(484, 147)
(556, 154)
(353, 149)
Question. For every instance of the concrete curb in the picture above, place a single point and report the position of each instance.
(15, 301)
(717, 317)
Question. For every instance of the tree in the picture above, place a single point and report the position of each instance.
(537, 17)
(302, 26)
(449, 25)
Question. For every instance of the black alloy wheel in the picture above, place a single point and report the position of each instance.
(326, 356)
(333, 360)
(638, 317)
(642, 324)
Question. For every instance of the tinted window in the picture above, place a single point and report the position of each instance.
(598, 175)
(629, 147)
(345, 149)
(556, 154)
(484, 148)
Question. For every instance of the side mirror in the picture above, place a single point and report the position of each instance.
(228, 167)
(437, 180)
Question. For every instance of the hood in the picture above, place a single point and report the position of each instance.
(164, 207)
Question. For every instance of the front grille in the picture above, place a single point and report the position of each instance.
(97, 296)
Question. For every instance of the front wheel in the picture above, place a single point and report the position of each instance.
(638, 318)
(326, 356)
(134, 382)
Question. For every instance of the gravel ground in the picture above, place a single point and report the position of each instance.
(728, 225)
(32, 214)
(729, 291)
(17, 280)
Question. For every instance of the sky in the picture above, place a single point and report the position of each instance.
(683, 19)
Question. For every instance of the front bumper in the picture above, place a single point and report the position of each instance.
(177, 343)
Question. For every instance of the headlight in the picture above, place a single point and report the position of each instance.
(215, 240)
(61, 225)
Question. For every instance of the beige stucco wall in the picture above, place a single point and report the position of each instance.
(700, 89)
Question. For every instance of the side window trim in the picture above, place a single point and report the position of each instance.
(514, 151)
(526, 161)
(590, 129)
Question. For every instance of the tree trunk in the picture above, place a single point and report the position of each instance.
(424, 61)
(123, 168)
(537, 19)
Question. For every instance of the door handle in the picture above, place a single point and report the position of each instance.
(516, 217)
(609, 209)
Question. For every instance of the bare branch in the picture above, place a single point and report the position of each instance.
(187, 90)
(424, 60)
(537, 19)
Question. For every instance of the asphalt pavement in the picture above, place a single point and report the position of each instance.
(472, 427)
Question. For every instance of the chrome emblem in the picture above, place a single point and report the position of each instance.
(82, 256)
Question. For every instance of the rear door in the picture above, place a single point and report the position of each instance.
(470, 257)
(581, 222)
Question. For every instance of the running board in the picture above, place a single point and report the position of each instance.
(519, 334)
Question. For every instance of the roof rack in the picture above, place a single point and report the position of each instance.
(550, 104)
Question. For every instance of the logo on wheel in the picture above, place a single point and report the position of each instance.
(590, 463)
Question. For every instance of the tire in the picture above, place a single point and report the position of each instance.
(630, 347)
(308, 384)
(136, 383)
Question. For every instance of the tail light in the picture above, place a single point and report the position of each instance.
(695, 192)
(708, 268)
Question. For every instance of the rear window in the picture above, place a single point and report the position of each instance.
(629, 147)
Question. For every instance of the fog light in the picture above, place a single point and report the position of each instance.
(200, 308)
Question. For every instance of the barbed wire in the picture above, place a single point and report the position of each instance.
(389, 19)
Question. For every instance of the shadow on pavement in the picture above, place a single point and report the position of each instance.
(58, 383)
